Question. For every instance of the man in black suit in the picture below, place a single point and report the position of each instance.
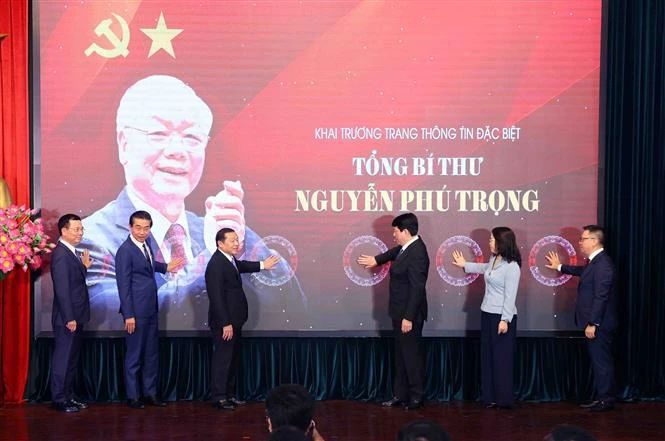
(227, 312)
(71, 310)
(595, 311)
(135, 267)
(407, 308)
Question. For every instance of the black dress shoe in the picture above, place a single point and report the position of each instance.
(65, 407)
(490, 406)
(78, 403)
(236, 402)
(505, 406)
(135, 404)
(589, 404)
(602, 406)
(223, 405)
(413, 405)
(154, 401)
(393, 402)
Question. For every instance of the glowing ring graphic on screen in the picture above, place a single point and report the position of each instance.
(533, 266)
(267, 277)
(451, 241)
(346, 261)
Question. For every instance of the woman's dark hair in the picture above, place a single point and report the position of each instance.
(506, 245)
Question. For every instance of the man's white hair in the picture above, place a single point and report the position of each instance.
(152, 94)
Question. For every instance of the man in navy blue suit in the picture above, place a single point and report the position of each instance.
(71, 310)
(595, 311)
(136, 266)
(163, 130)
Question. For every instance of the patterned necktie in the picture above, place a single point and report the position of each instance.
(147, 255)
(79, 256)
(175, 239)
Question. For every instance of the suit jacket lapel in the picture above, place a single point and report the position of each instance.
(228, 265)
(587, 269)
(139, 252)
(234, 267)
(403, 254)
(72, 256)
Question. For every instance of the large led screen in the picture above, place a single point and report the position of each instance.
(306, 126)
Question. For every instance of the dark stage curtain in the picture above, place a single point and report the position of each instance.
(547, 369)
(634, 200)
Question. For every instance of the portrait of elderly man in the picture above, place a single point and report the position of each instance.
(163, 132)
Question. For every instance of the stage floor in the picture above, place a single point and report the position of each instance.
(336, 420)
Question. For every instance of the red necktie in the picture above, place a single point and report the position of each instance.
(175, 239)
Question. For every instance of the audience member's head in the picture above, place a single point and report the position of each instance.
(287, 433)
(423, 430)
(290, 405)
(568, 432)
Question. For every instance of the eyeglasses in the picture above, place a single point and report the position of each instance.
(582, 239)
(77, 229)
(192, 140)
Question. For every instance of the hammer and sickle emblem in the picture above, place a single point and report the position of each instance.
(119, 45)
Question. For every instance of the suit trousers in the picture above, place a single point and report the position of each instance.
(600, 352)
(497, 357)
(408, 384)
(66, 354)
(225, 364)
(142, 359)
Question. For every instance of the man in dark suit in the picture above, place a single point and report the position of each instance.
(227, 314)
(407, 308)
(136, 266)
(71, 310)
(163, 130)
(595, 311)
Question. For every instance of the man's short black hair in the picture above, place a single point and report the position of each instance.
(423, 430)
(221, 234)
(290, 405)
(64, 220)
(140, 215)
(406, 221)
(287, 433)
(597, 231)
(568, 432)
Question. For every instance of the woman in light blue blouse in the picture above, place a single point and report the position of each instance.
(498, 317)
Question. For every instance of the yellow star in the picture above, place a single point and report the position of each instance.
(161, 37)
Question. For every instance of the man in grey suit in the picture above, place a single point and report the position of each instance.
(163, 130)
(407, 308)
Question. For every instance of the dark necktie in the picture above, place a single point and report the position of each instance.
(147, 255)
(79, 256)
(400, 253)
